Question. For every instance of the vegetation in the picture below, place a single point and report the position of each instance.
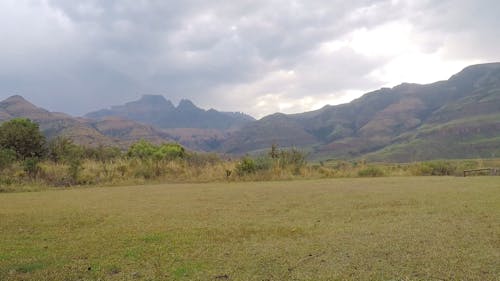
(22, 136)
(402, 228)
(34, 165)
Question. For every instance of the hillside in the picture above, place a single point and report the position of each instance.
(82, 131)
(160, 112)
(456, 118)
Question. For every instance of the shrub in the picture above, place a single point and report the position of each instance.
(292, 159)
(102, 153)
(169, 151)
(146, 150)
(245, 166)
(142, 150)
(437, 168)
(23, 137)
(7, 158)
(30, 166)
(371, 171)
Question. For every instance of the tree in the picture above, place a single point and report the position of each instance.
(23, 136)
(59, 149)
(142, 149)
(7, 157)
(146, 150)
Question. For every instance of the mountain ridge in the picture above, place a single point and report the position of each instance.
(454, 118)
(156, 110)
(383, 117)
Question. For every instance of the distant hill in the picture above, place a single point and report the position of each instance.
(160, 112)
(110, 131)
(457, 118)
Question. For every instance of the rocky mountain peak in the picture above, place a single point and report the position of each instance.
(156, 101)
(186, 104)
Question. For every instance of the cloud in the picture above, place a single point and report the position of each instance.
(253, 56)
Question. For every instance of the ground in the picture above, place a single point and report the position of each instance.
(411, 228)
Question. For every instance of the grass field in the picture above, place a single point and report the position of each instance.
(412, 228)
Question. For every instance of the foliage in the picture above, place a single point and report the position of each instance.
(169, 151)
(31, 166)
(102, 153)
(60, 149)
(74, 159)
(371, 171)
(7, 157)
(275, 163)
(63, 150)
(146, 150)
(142, 149)
(245, 166)
(292, 158)
(22, 136)
(436, 168)
(67, 163)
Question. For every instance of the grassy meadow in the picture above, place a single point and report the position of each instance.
(389, 228)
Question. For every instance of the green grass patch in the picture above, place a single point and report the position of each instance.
(29, 267)
(389, 228)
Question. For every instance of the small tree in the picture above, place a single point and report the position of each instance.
(22, 136)
(59, 149)
(170, 151)
(142, 149)
(246, 166)
(63, 150)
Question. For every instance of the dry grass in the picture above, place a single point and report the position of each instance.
(423, 228)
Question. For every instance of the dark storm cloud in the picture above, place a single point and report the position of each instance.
(77, 56)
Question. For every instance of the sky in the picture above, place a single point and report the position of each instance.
(252, 56)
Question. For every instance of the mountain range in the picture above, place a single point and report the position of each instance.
(456, 118)
(160, 112)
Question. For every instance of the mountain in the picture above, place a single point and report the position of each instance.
(456, 118)
(108, 131)
(160, 112)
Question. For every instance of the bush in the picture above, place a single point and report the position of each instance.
(102, 153)
(245, 166)
(142, 150)
(371, 171)
(293, 159)
(169, 151)
(438, 168)
(23, 137)
(30, 166)
(146, 150)
(7, 158)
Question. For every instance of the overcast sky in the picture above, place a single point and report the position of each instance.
(255, 56)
